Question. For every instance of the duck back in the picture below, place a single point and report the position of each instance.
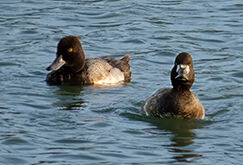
(122, 64)
(99, 71)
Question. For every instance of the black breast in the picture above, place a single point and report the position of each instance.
(66, 76)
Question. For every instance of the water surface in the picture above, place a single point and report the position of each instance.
(41, 124)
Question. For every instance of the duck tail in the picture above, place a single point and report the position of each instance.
(126, 58)
(125, 67)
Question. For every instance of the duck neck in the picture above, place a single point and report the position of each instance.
(78, 67)
(80, 62)
(181, 88)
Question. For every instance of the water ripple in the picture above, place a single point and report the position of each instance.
(41, 124)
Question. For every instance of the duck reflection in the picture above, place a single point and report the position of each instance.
(182, 137)
(69, 98)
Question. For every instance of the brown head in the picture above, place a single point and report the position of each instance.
(182, 73)
(69, 53)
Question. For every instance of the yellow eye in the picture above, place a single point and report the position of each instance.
(70, 50)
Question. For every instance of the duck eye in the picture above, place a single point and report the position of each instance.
(70, 50)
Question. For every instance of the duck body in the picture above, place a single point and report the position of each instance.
(72, 68)
(95, 71)
(179, 101)
(168, 102)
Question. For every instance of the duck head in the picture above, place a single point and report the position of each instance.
(69, 53)
(182, 73)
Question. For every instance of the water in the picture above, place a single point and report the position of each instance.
(41, 124)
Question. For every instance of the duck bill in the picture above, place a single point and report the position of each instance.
(183, 77)
(183, 72)
(57, 64)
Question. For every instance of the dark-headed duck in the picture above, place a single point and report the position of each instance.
(72, 68)
(178, 101)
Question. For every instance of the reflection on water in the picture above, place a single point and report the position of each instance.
(182, 136)
(69, 98)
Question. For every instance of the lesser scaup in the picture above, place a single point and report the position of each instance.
(178, 101)
(72, 68)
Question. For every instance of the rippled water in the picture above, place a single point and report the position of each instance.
(41, 124)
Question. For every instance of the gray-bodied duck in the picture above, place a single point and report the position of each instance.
(72, 68)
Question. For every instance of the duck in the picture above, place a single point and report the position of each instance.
(71, 67)
(178, 101)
